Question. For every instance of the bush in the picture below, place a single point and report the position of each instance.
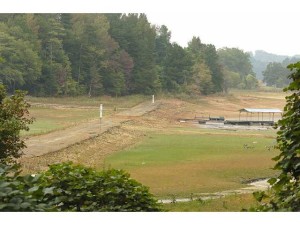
(21, 193)
(68, 187)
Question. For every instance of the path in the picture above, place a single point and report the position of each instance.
(260, 185)
(54, 141)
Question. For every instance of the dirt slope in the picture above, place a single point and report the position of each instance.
(54, 141)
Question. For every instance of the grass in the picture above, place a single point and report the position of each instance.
(233, 203)
(73, 110)
(107, 101)
(50, 119)
(181, 164)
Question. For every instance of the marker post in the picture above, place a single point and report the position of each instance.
(100, 109)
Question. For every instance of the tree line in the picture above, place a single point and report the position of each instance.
(112, 54)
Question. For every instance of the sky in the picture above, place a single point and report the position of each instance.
(247, 31)
(270, 25)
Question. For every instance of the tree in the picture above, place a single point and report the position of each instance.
(178, 69)
(211, 59)
(98, 60)
(162, 44)
(285, 191)
(20, 64)
(136, 36)
(231, 79)
(236, 60)
(202, 79)
(56, 69)
(276, 75)
(14, 117)
(207, 54)
(251, 82)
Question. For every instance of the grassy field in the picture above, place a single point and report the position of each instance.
(234, 203)
(58, 113)
(181, 164)
(48, 119)
(107, 101)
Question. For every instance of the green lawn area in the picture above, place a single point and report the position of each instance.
(181, 164)
(50, 119)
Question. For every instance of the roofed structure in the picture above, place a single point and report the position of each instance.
(257, 110)
(260, 111)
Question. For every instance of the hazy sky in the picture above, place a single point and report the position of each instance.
(270, 25)
(270, 32)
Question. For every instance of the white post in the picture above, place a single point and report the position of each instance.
(152, 98)
(101, 109)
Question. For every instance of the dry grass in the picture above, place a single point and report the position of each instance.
(180, 164)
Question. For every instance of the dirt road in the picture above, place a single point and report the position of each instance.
(54, 141)
(260, 185)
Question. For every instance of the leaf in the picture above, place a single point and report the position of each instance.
(48, 190)
(272, 181)
(276, 158)
(258, 195)
(33, 189)
(25, 205)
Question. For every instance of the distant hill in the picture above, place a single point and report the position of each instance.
(260, 59)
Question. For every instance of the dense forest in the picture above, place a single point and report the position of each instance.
(112, 54)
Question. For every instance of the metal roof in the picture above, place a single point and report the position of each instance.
(253, 110)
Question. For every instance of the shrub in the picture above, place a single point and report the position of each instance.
(21, 193)
(68, 187)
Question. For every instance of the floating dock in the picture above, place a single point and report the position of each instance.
(249, 123)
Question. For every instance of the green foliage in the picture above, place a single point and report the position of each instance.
(22, 193)
(177, 71)
(231, 79)
(67, 187)
(236, 60)
(276, 75)
(95, 54)
(14, 117)
(202, 79)
(251, 82)
(20, 64)
(285, 192)
(83, 189)
(237, 68)
(207, 54)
